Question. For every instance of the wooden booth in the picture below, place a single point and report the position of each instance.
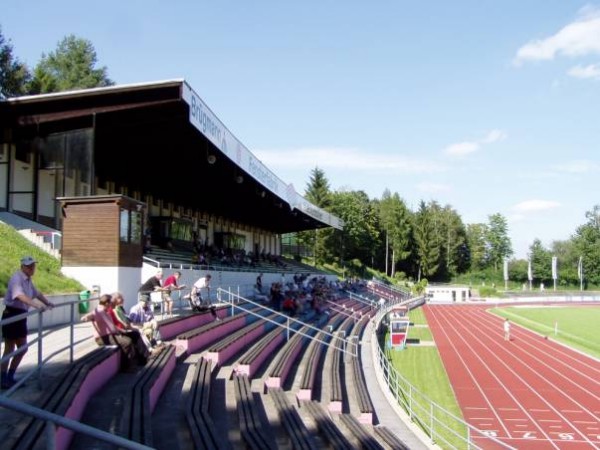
(102, 242)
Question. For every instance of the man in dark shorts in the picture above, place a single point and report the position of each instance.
(20, 295)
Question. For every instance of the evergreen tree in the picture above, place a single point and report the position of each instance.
(395, 219)
(477, 244)
(499, 246)
(427, 245)
(318, 193)
(71, 66)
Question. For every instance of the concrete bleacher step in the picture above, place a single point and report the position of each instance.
(105, 411)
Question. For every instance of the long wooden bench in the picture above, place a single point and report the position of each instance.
(336, 392)
(296, 429)
(253, 358)
(148, 386)
(389, 438)
(175, 326)
(208, 333)
(287, 357)
(196, 400)
(223, 350)
(366, 439)
(68, 397)
(313, 360)
(365, 405)
(327, 426)
(256, 434)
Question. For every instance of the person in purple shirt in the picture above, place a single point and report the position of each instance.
(21, 294)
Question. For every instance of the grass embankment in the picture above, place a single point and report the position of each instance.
(577, 326)
(47, 279)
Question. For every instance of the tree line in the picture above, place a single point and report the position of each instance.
(430, 243)
(434, 243)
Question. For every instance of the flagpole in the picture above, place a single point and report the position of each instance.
(580, 273)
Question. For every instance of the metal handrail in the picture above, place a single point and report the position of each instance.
(423, 415)
(233, 297)
(41, 333)
(52, 420)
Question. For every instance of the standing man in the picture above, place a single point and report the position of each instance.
(196, 298)
(203, 283)
(152, 284)
(171, 285)
(20, 295)
(507, 330)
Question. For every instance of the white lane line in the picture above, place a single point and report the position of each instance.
(477, 319)
(462, 335)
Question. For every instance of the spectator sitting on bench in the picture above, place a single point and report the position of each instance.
(121, 320)
(142, 317)
(106, 333)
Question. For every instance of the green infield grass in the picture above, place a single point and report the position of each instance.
(575, 326)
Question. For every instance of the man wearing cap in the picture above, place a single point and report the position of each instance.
(20, 295)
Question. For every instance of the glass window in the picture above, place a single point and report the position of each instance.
(124, 225)
(136, 227)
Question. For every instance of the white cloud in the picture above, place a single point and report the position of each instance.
(494, 136)
(578, 166)
(579, 38)
(467, 147)
(433, 188)
(590, 71)
(535, 206)
(461, 149)
(344, 158)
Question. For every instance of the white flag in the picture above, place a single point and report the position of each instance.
(529, 273)
(506, 270)
(580, 268)
(554, 271)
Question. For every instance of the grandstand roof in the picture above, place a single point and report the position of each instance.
(161, 139)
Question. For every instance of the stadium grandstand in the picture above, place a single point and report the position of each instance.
(207, 199)
(117, 182)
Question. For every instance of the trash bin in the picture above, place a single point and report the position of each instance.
(84, 306)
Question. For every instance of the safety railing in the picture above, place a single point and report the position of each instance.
(38, 342)
(54, 420)
(349, 346)
(442, 426)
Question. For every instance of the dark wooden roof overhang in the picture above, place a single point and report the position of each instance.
(145, 141)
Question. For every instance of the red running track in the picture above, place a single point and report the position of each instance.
(529, 392)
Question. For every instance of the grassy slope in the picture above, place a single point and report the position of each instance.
(47, 278)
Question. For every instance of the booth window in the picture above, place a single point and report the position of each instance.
(124, 225)
(130, 226)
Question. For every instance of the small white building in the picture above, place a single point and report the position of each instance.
(448, 293)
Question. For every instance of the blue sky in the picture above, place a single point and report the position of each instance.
(489, 106)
